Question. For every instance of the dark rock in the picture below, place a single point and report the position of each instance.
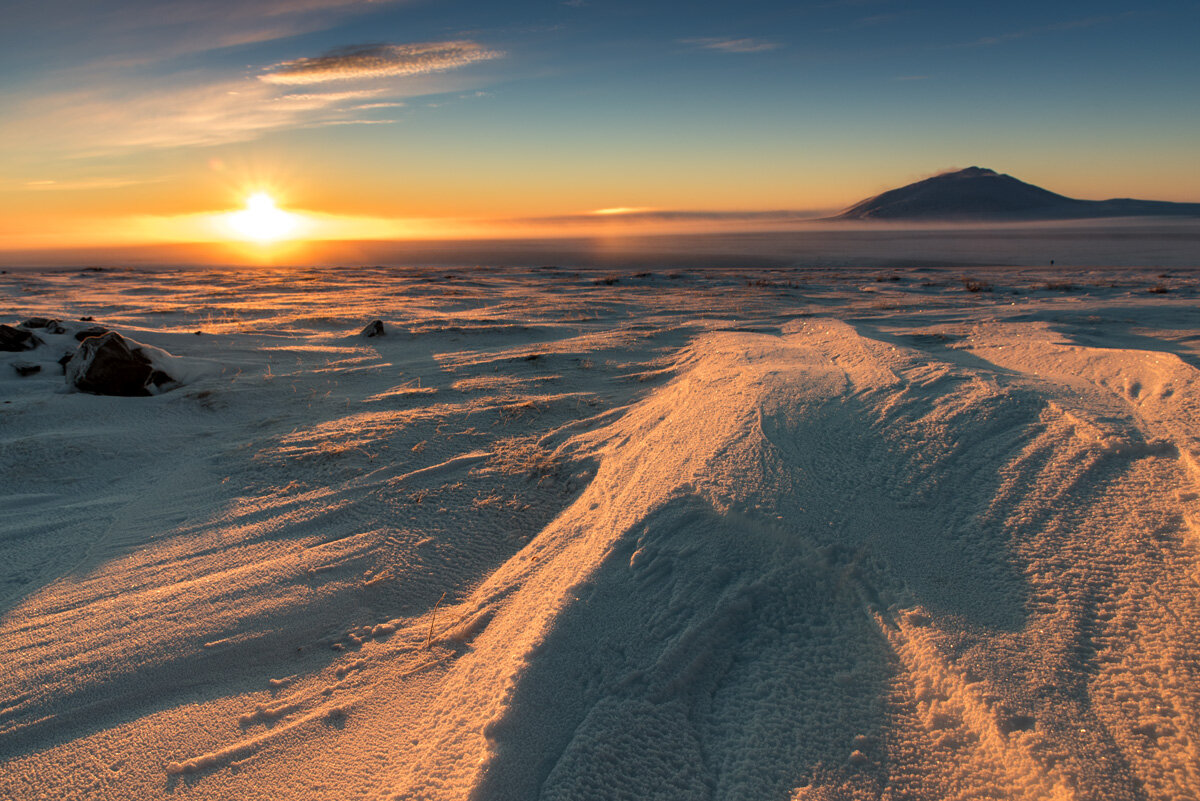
(26, 368)
(91, 331)
(373, 329)
(14, 340)
(87, 319)
(50, 326)
(66, 357)
(106, 365)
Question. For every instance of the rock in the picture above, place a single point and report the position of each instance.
(15, 339)
(51, 326)
(160, 379)
(26, 368)
(91, 331)
(66, 357)
(106, 365)
(373, 329)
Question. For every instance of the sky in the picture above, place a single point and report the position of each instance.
(131, 121)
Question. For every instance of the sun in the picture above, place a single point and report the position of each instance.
(262, 221)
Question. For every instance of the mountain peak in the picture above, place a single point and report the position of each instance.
(969, 172)
(980, 194)
(973, 192)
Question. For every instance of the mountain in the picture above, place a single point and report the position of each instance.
(981, 194)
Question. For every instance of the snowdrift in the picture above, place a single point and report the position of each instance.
(778, 555)
(826, 564)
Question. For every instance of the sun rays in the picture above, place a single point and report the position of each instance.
(262, 221)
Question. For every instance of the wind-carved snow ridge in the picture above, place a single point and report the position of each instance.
(806, 534)
(798, 571)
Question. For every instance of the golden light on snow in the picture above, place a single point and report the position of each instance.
(262, 221)
(861, 564)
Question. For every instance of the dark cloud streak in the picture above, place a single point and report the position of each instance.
(378, 61)
(732, 45)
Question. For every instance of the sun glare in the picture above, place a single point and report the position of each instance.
(262, 221)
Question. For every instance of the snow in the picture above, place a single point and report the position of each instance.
(707, 534)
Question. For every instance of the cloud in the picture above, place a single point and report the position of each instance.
(727, 45)
(354, 122)
(141, 32)
(633, 214)
(47, 185)
(1069, 25)
(195, 110)
(171, 116)
(323, 99)
(378, 61)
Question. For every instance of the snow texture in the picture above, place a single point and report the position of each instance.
(721, 534)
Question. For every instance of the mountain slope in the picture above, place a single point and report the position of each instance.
(977, 193)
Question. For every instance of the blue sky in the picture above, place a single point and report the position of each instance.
(439, 109)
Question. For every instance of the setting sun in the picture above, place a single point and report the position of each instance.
(262, 221)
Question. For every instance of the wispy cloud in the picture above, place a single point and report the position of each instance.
(353, 122)
(378, 61)
(323, 99)
(621, 215)
(171, 116)
(198, 110)
(128, 33)
(50, 185)
(1069, 25)
(729, 45)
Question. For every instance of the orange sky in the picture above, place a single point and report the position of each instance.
(137, 122)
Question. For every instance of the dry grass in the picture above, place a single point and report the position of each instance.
(432, 620)
(523, 456)
(518, 411)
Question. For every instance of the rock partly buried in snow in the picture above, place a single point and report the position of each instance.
(106, 365)
(373, 329)
(51, 326)
(92, 331)
(26, 368)
(16, 339)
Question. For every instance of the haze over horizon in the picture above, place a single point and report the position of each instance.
(146, 122)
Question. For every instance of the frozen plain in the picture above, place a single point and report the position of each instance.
(583, 534)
